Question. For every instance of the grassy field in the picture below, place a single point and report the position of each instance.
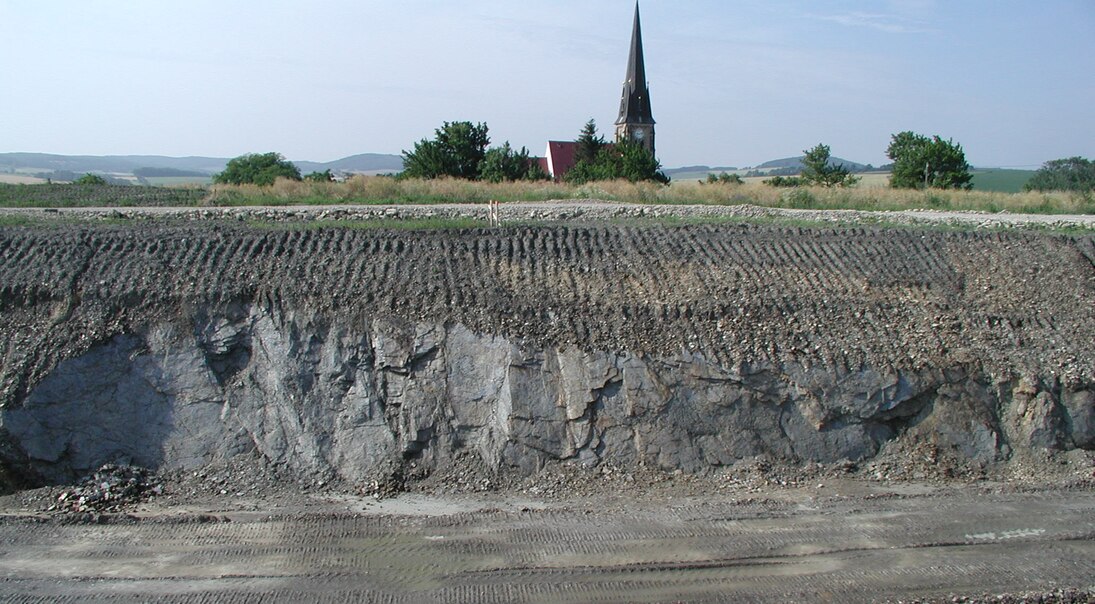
(871, 194)
(175, 181)
(1002, 181)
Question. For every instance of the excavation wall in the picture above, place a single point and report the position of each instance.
(352, 354)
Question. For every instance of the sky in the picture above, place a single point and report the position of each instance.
(732, 82)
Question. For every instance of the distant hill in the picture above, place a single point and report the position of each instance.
(786, 166)
(365, 162)
(690, 172)
(120, 164)
(31, 163)
(796, 163)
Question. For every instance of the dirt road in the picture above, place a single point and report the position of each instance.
(811, 545)
(574, 210)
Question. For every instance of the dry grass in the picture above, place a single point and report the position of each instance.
(387, 190)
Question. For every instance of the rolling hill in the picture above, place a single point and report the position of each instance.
(45, 163)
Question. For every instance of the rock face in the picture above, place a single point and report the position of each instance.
(605, 346)
(328, 400)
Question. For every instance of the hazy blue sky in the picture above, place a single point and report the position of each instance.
(732, 82)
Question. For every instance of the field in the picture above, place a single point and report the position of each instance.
(871, 194)
(175, 181)
(996, 181)
(1003, 181)
(20, 179)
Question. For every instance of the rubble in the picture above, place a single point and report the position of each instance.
(111, 488)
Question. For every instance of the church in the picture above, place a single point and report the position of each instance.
(635, 121)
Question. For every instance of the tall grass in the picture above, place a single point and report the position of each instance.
(387, 190)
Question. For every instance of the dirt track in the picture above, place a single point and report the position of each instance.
(818, 544)
(578, 209)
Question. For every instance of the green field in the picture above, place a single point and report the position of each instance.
(992, 180)
(1001, 181)
(175, 181)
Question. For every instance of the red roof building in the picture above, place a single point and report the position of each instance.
(559, 158)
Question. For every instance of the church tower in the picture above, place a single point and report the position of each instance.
(636, 121)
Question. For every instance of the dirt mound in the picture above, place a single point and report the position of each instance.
(840, 298)
(111, 488)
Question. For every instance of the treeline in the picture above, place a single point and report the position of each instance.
(461, 150)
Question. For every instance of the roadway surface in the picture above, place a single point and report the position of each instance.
(883, 545)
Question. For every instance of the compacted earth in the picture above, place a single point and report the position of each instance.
(753, 533)
(591, 403)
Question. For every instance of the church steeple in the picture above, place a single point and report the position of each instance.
(636, 121)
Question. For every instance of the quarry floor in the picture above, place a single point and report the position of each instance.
(840, 540)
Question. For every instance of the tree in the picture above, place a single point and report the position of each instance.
(589, 143)
(625, 159)
(324, 176)
(785, 181)
(637, 163)
(724, 179)
(90, 179)
(818, 169)
(920, 162)
(504, 164)
(1070, 174)
(456, 150)
(258, 169)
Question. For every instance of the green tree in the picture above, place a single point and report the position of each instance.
(535, 172)
(785, 181)
(257, 168)
(818, 169)
(90, 179)
(724, 179)
(920, 162)
(589, 143)
(625, 159)
(1070, 174)
(324, 176)
(637, 163)
(505, 164)
(456, 150)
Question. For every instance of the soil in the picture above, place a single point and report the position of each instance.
(758, 535)
(1012, 303)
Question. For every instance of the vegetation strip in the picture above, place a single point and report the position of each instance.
(381, 190)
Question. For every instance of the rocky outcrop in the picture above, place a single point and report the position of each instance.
(333, 400)
(351, 355)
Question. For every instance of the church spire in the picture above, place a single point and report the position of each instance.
(636, 120)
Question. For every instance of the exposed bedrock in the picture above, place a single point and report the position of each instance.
(326, 399)
(354, 354)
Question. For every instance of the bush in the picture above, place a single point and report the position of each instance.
(90, 179)
(785, 181)
(723, 179)
(1071, 174)
(257, 169)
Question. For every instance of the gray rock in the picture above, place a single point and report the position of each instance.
(357, 400)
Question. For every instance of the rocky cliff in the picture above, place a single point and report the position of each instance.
(352, 354)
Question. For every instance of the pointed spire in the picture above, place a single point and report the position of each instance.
(635, 104)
